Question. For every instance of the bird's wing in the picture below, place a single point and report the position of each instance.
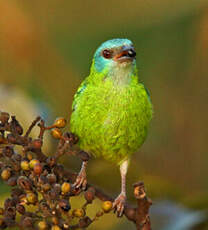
(78, 94)
(147, 92)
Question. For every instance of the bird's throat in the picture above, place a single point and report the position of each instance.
(121, 74)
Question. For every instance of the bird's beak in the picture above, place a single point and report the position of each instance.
(126, 54)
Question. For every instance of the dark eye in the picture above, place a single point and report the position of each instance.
(107, 53)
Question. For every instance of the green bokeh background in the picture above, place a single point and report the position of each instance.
(46, 49)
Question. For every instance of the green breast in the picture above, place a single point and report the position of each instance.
(111, 121)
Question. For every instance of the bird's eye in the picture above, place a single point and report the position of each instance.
(107, 53)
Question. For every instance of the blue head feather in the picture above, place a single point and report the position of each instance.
(100, 61)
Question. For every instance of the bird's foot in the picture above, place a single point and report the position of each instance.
(81, 180)
(119, 204)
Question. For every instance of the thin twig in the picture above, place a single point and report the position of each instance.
(32, 126)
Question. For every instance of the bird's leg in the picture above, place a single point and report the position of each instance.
(119, 202)
(81, 180)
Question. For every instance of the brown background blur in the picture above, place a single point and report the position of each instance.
(46, 49)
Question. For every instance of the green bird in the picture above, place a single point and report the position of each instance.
(111, 110)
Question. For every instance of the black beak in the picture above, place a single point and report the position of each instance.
(131, 53)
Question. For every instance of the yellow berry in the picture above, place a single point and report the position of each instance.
(55, 227)
(33, 162)
(5, 174)
(29, 156)
(107, 206)
(46, 187)
(56, 133)
(25, 165)
(65, 187)
(31, 198)
(42, 225)
(78, 212)
(60, 122)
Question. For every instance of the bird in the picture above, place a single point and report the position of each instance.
(111, 111)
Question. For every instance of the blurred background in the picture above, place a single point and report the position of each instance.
(46, 49)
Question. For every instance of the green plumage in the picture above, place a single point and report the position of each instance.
(111, 113)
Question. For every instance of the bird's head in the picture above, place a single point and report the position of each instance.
(115, 55)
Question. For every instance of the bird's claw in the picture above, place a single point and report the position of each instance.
(81, 181)
(119, 204)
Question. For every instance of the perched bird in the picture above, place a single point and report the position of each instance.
(111, 110)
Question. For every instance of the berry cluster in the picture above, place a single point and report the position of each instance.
(41, 187)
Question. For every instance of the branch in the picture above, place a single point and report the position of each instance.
(33, 174)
